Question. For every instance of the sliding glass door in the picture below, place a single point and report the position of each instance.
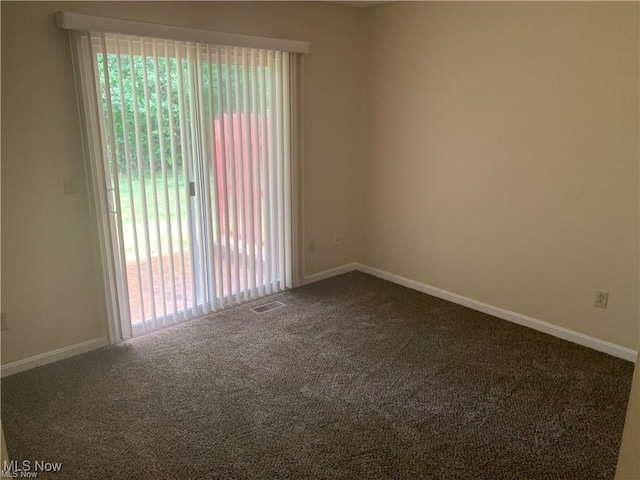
(194, 158)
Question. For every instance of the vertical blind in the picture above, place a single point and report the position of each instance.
(190, 149)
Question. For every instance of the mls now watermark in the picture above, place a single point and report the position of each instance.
(28, 468)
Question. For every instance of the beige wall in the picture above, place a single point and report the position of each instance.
(503, 161)
(53, 298)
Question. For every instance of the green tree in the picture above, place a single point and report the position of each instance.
(126, 77)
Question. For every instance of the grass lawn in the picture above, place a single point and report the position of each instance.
(155, 217)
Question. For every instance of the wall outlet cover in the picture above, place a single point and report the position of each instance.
(602, 299)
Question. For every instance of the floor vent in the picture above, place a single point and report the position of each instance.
(267, 306)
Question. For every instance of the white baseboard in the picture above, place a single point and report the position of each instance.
(53, 356)
(560, 332)
(332, 272)
(556, 331)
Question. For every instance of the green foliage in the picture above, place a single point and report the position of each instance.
(128, 97)
(162, 122)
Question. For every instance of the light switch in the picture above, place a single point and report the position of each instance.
(69, 184)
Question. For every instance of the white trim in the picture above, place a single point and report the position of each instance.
(332, 272)
(530, 322)
(300, 163)
(539, 325)
(535, 324)
(296, 218)
(53, 356)
(90, 23)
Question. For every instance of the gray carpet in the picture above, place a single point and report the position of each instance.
(354, 378)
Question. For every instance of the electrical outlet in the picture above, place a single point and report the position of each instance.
(336, 239)
(602, 298)
(312, 246)
(3, 321)
(69, 182)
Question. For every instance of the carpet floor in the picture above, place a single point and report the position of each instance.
(354, 378)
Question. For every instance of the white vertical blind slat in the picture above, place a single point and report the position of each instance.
(114, 185)
(248, 189)
(189, 306)
(143, 193)
(127, 151)
(257, 186)
(154, 190)
(274, 168)
(224, 196)
(193, 223)
(208, 160)
(279, 197)
(232, 175)
(269, 148)
(285, 132)
(216, 260)
(165, 186)
(195, 79)
(241, 270)
(176, 187)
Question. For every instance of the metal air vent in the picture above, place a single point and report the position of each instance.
(267, 307)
